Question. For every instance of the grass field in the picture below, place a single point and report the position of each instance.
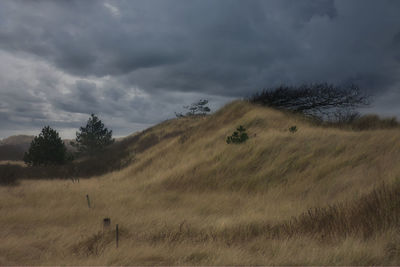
(319, 196)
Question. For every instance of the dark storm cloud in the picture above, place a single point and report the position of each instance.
(138, 61)
(83, 98)
(83, 38)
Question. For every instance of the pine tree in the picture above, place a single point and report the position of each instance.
(238, 136)
(46, 149)
(93, 138)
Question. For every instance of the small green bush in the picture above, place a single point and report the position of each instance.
(238, 136)
(293, 129)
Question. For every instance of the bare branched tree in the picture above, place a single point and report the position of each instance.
(320, 99)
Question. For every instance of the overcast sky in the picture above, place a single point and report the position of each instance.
(136, 62)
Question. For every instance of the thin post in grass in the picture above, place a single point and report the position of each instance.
(88, 201)
(116, 235)
(106, 224)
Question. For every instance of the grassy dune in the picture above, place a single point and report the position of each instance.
(320, 196)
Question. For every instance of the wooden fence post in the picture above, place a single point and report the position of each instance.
(116, 235)
(106, 224)
(88, 201)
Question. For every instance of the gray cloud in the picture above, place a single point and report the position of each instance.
(136, 62)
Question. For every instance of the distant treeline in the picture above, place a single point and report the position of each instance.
(16, 151)
(90, 166)
(116, 156)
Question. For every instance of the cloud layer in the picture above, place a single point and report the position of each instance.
(136, 62)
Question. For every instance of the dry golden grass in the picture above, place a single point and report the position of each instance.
(13, 162)
(188, 198)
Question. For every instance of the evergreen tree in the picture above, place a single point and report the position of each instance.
(46, 149)
(238, 136)
(93, 137)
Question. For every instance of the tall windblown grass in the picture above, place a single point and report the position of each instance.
(182, 196)
(372, 214)
(365, 122)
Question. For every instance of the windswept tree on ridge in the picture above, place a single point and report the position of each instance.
(319, 99)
